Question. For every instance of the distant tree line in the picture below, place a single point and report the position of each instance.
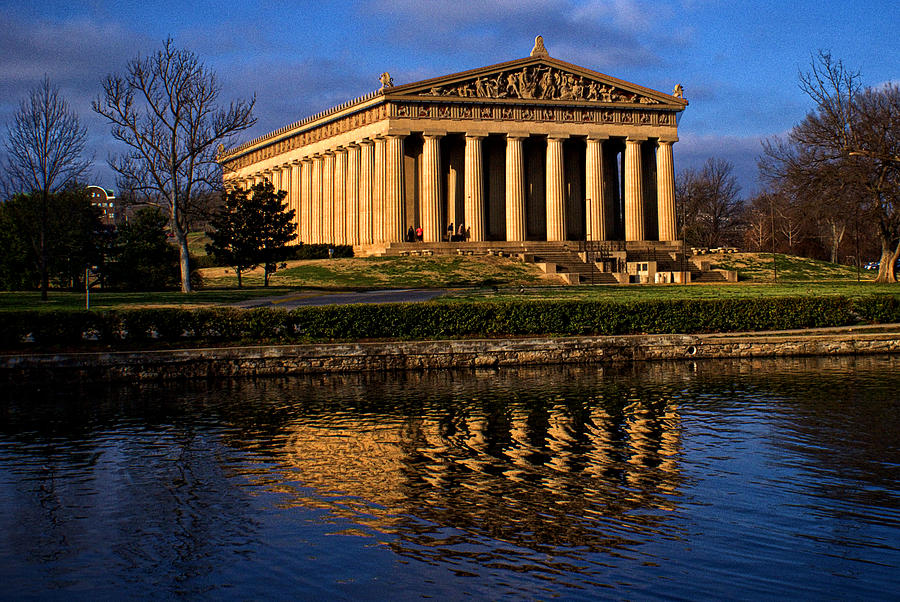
(832, 185)
(135, 256)
(165, 111)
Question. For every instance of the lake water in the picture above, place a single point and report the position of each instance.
(720, 479)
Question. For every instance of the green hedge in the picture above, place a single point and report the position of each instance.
(435, 320)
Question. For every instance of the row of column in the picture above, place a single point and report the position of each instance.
(348, 196)
(355, 195)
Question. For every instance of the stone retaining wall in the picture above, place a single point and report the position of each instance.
(422, 355)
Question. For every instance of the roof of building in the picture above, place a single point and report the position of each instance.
(458, 87)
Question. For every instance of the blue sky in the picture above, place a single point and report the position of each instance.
(738, 61)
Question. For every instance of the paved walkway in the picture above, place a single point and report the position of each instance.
(301, 298)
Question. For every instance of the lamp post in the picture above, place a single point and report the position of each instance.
(856, 224)
(774, 260)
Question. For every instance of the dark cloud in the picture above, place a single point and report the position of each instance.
(75, 55)
(692, 151)
(295, 90)
(598, 34)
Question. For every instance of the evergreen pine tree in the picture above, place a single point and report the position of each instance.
(253, 227)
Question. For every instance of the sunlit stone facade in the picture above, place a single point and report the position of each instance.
(533, 149)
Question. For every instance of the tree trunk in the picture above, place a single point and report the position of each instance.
(886, 271)
(185, 256)
(42, 260)
(837, 235)
(238, 272)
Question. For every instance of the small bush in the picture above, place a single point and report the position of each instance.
(879, 309)
(309, 251)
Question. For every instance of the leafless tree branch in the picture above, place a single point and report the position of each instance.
(165, 110)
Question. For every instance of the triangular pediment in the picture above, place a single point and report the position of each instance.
(541, 79)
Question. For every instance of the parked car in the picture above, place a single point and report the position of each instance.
(874, 265)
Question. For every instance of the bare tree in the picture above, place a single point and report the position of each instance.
(847, 150)
(789, 224)
(165, 110)
(758, 233)
(44, 147)
(710, 205)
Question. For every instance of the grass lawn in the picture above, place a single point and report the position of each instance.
(677, 291)
(475, 279)
(11, 301)
(197, 242)
(390, 272)
(797, 276)
(758, 267)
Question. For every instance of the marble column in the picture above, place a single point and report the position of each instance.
(284, 178)
(286, 182)
(306, 195)
(496, 192)
(665, 190)
(432, 226)
(328, 199)
(454, 174)
(474, 189)
(295, 197)
(378, 192)
(394, 214)
(340, 196)
(597, 204)
(366, 175)
(316, 214)
(275, 178)
(515, 189)
(556, 190)
(634, 191)
(352, 194)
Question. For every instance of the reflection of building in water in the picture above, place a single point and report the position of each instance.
(505, 454)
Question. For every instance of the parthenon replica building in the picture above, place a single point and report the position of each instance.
(534, 149)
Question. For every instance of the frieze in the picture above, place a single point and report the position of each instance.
(492, 112)
(539, 83)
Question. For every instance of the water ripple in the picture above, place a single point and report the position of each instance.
(713, 479)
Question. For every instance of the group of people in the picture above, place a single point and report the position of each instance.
(459, 234)
(414, 234)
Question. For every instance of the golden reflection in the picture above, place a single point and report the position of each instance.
(582, 459)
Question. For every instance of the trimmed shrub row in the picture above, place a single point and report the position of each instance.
(437, 320)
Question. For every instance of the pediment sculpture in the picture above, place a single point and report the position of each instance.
(538, 82)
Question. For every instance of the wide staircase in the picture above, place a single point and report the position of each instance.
(707, 277)
(666, 261)
(565, 261)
